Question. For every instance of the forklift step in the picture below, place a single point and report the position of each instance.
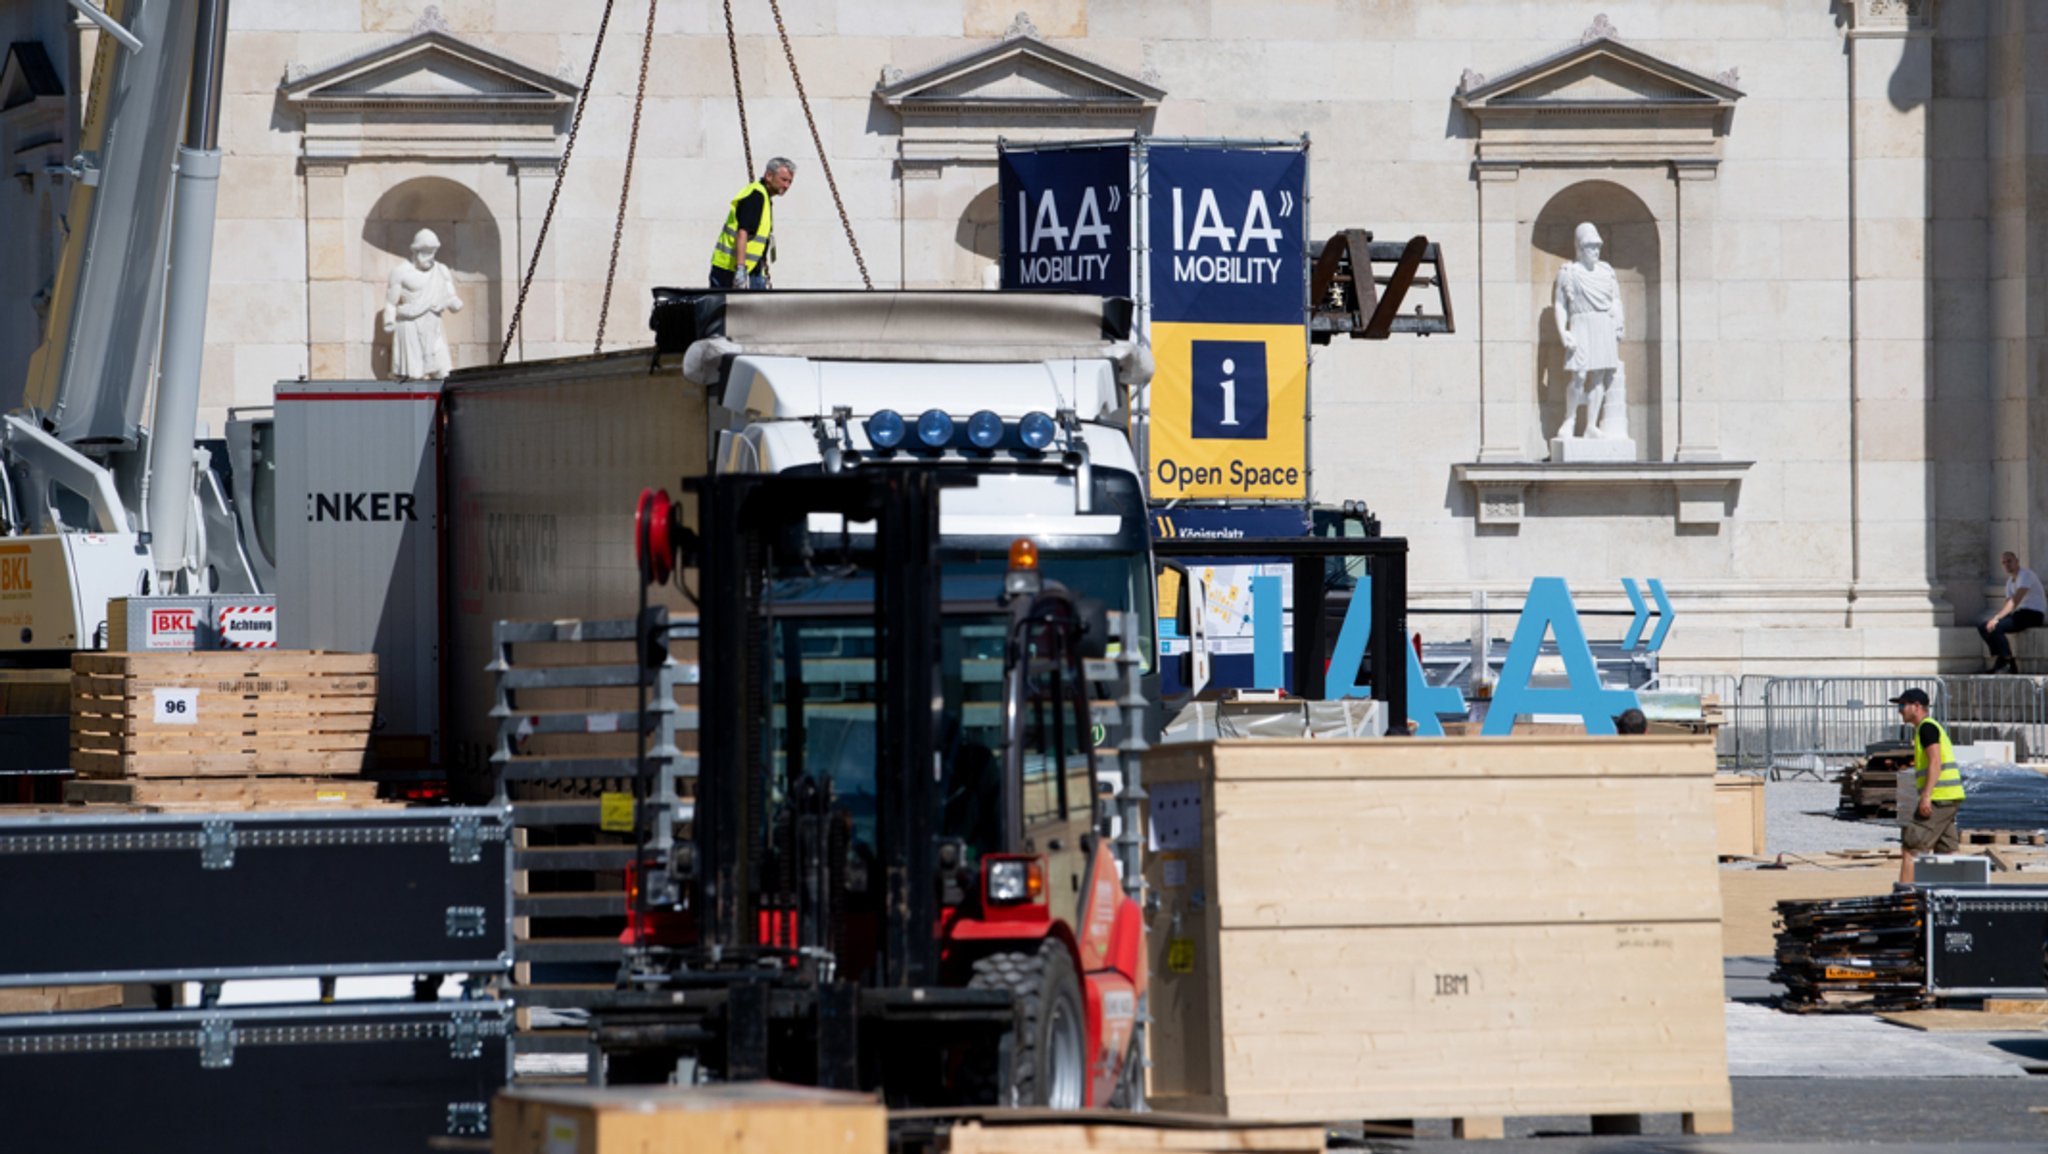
(604, 949)
(559, 768)
(573, 812)
(556, 858)
(559, 995)
(551, 1042)
(570, 905)
(598, 721)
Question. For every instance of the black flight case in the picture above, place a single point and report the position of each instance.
(162, 899)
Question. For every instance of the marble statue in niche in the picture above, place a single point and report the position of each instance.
(1590, 324)
(419, 291)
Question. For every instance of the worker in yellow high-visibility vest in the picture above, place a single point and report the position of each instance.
(1929, 826)
(741, 257)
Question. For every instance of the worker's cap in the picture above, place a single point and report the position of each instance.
(1911, 697)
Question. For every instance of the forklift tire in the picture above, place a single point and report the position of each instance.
(1049, 1057)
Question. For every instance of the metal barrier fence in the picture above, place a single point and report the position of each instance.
(1812, 724)
(2011, 709)
(1804, 726)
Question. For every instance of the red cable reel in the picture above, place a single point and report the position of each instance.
(655, 534)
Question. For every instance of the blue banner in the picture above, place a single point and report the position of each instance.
(1066, 220)
(1226, 235)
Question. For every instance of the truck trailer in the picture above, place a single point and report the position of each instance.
(543, 462)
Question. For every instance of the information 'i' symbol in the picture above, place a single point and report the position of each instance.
(1229, 392)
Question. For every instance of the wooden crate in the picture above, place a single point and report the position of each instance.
(1738, 815)
(253, 713)
(173, 794)
(1048, 1132)
(737, 1118)
(59, 999)
(1465, 928)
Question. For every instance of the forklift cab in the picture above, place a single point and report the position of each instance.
(894, 849)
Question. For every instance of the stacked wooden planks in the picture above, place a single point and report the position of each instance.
(225, 729)
(1852, 955)
(1048, 1132)
(733, 1118)
(1470, 928)
(1870, 788)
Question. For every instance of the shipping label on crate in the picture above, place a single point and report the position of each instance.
(248, 626)
(615, 812)
(176, 707)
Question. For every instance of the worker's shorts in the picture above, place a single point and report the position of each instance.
(1935, 834)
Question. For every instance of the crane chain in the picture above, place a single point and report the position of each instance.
(739, 96)
(561, 174)
(611, 275)
(824, 160)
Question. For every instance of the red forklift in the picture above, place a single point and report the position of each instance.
(899, 874)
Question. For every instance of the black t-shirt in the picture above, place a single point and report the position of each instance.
(748, 213)
(1930, 739)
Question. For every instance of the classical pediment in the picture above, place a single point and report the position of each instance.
(27, 76)
(430, 69)
(1600, 102)
(1018, 75)
(1600, 74)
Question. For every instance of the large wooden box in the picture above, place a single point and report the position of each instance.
(740, 1118)
(1463, 928)
(224, 713)
(1739, 815)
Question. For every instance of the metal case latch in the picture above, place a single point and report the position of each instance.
(465, 921)
(217, 845)
(465, 1036)
(216, 1044)
(465, 839)
(468, 1118)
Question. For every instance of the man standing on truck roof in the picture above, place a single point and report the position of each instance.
(741, 259)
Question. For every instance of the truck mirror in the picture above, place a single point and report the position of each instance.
(1094, 614)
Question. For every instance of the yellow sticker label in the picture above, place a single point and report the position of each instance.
(615, 812)
(330, 795)
(1840, 973)
(1180, 955)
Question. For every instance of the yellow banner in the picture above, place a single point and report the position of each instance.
(1229, 404)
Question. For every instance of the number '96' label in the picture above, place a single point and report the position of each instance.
(177, 707)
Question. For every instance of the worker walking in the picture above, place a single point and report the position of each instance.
(741, 259)
(1930, 825)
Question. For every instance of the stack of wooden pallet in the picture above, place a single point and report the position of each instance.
(1870, 789)
(226, 729)
(1852, 955)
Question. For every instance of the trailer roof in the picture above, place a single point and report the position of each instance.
(895, 326)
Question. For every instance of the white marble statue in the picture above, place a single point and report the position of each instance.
(419, 292)
(1590, 323)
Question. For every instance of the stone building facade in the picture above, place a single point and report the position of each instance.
(1826, 216)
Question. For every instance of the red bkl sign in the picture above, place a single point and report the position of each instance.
(172, 628)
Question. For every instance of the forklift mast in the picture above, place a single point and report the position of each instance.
(759, 521)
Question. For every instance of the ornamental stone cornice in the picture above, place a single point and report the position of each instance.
(1017, 78)
(1599, 101)
(430, 96)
